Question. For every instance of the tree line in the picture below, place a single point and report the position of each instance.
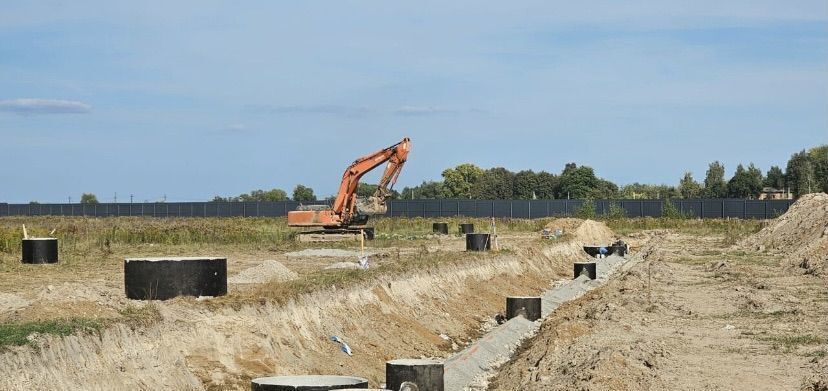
(805, 172)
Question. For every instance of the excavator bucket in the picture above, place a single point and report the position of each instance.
(371, 206)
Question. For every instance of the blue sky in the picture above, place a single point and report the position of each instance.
(192, 99)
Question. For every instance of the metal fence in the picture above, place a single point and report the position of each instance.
(529, 209)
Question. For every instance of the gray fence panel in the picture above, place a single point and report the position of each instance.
(450, 208)
(483, 208)
(755, 209)
(558, 208)
(432, 208)
(520, 209)
(633, 207)
(500, 208)
(467, 208)
(733, 209)
(271, 209)
(416, 208)
(712, 209)
(777, 207)
(698, 208)
(538, 209)
(690, 208)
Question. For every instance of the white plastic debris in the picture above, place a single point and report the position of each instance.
(344, 345)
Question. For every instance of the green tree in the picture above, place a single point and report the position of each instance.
(261, 195)
(756, 180)
(799, 174)
(525, 185)
(688, 187)
(605, 189)
(819, 160)
(458, 181)
(302, 193)
(88, 198)
(714, 182)
(745, 183)
(581, 182)
(495, 184)
(775, 178)
(547, 185)
(427, 190)
(643, 190)
(366, 190)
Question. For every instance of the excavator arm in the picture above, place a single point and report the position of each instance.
(346, 206)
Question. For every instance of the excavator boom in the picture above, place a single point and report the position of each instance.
(347, 208)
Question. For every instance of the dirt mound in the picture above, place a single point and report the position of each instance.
(269, 270)
(584, 231)
(567, 224)
(801, 234)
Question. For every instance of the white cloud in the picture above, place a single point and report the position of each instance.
(26, 106)
(235, 128)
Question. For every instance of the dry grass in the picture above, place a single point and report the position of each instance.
(282, 292)
(731, 229)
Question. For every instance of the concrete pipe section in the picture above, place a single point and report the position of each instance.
(39, 250)
(440, 228)
(529, 307)
(307, 383)
(478, 242)
(426, 375)
(466, 229)
(165, 278)
(586, 268)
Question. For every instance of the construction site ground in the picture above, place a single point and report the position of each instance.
(711, 306)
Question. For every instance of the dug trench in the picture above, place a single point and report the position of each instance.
(429, 313)
(696, 314)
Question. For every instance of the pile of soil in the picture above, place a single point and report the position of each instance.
(567, 224)
(588, 232)
(269, 270)
(801, 234)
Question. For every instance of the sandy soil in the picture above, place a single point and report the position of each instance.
(696, 314)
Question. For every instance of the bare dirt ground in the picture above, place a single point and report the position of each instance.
(697, 314)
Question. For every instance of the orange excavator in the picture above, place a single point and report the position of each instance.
(349, 213)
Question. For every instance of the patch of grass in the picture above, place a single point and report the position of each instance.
(817, 353)
(754, 314)
(141, 316)
(731, 228)
(791, 342)
(15, 334)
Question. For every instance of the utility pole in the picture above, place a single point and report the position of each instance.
(115, 199)
(70, 199)
(130, 198)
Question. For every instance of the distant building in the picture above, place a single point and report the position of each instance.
(770, 193)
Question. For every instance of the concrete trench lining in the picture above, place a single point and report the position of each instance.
(478, 360)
